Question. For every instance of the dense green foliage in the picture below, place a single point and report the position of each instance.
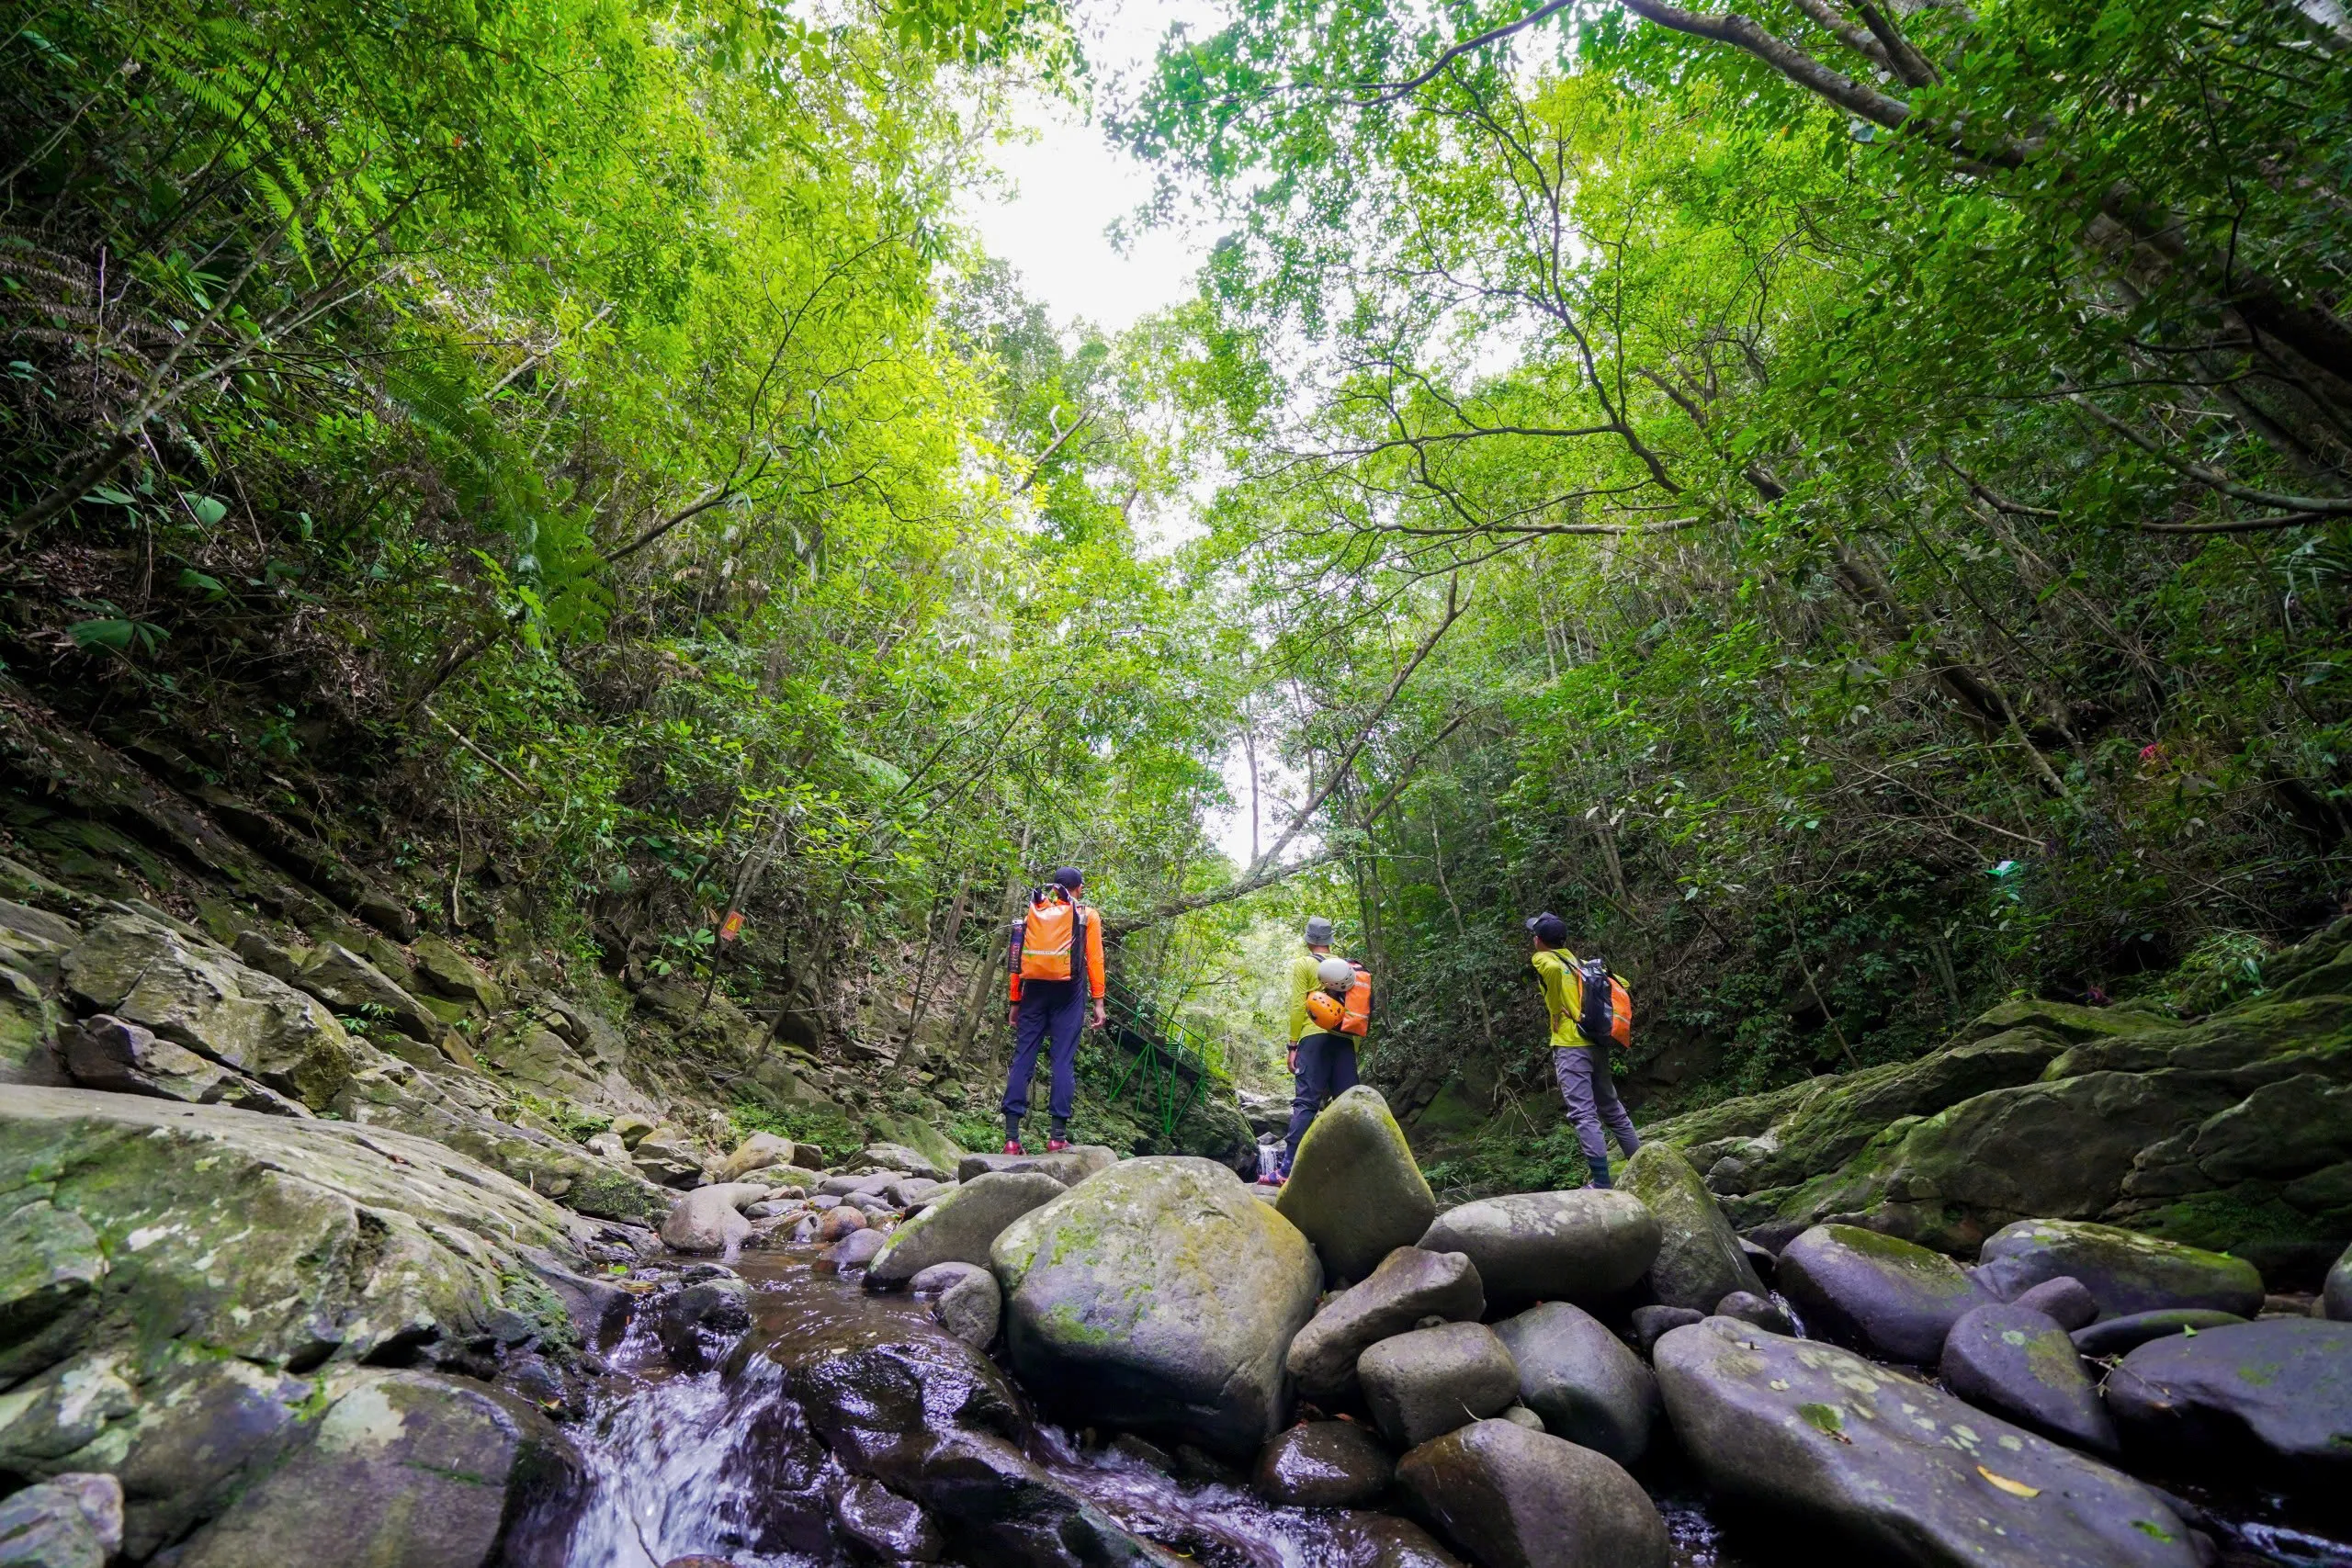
(568, 456)
(1896, 478)
(1847, 507)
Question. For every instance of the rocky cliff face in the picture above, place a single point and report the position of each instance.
(2230, 1131)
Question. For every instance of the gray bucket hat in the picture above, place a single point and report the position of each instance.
(1318, 932)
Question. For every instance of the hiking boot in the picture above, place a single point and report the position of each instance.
(1013, 1146)
(1272, 1179)
(1055, 1145)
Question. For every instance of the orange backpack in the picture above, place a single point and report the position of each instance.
(1607, 1016)
(1355, 1016)
(1048, 937)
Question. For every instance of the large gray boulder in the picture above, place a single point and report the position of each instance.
(141, 1226)
(1900, 1472)
(1700, 1261)
(1513, 1498)
(2271, 1399)
(198, 996)
(1410, 1285)
(710, 1219)
(2017, 1363)
(2124, 1270)
(1584, 1245)
(1423, 1385)
(963, 1225)
(1875, 1293)
(1159, 1295)
(1354, 1190)
(404, 1468)
(1583, 1382)
(1324, 1464)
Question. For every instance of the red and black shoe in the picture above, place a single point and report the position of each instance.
(1013, 1146)
(1055, 1145)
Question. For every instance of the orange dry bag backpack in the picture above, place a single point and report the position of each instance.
(1355, 1014)
(1607, 1017)
(1048, 937)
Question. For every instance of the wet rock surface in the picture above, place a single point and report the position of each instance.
(2018, 1363)
(1812, 1434)
(1324, 1464)
(1581, 1380)
(1876, 1293)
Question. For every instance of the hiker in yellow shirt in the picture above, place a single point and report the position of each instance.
(1578, 1063)
(1322, 1061)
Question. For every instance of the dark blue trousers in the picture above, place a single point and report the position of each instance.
(1327, 1068)
(1050, 1009)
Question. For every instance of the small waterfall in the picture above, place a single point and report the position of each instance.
(713, 1463)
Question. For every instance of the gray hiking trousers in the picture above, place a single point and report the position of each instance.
(1592, 1099)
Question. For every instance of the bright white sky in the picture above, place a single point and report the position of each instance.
(1062, 192)
(1065, 189)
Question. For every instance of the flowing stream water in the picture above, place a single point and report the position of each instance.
(754, 1460)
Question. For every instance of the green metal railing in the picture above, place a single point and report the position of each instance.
(1167, 1065)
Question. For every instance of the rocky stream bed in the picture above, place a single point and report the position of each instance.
(273, 1290)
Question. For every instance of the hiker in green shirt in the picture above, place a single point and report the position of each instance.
(1580, 1065)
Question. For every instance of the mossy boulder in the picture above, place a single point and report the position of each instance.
(1158, 1296)
(2271, 1401)
(2125, 1271)
(152, 1225)
(1700, 1261)
(1354, 1188)
(1892, 1469)
(403, 1467)
(2017, 1363)
(1876, 1292)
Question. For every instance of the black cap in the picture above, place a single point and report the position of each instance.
(1549, 927)
(1070, 877)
